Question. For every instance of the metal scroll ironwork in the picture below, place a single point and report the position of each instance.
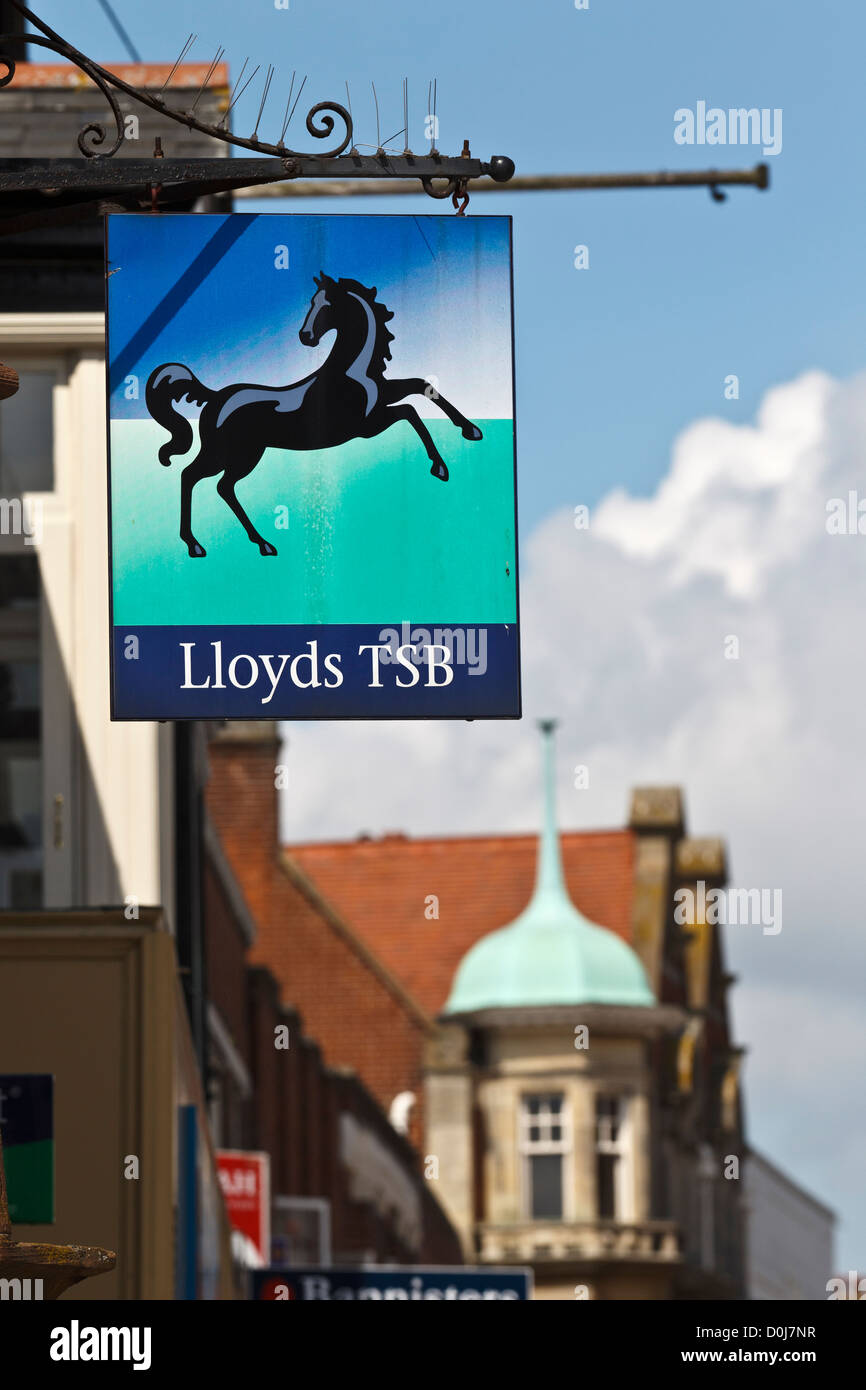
(320, 120)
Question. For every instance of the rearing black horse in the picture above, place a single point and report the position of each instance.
(346, 398)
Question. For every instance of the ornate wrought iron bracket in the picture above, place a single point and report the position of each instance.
(93, 136)
(33, 192)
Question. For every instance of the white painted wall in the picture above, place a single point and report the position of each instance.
(109, 838)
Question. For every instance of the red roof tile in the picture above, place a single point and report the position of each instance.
(380, 886)
(145, 75)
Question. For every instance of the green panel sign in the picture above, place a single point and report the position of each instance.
(27, 1128)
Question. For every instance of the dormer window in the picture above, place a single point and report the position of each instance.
(545, 1143)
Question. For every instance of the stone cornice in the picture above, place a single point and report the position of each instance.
(72, 330)
(612, 1019)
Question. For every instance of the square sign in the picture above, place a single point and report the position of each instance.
(312, 474)
(27, 1129)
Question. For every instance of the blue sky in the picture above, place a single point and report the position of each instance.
(612, 361)
(623, 630)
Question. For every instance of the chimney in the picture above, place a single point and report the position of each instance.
(657, 811)
(657, 820)
(242, 802)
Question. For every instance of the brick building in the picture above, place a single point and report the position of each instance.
(369, 939)
(351, 1000)
(307, 1104)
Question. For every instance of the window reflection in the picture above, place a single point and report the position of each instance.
(27, 435)
(20, 735)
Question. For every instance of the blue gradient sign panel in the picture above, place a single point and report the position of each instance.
(312, 471)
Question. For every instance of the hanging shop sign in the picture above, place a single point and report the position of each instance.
(312, 470)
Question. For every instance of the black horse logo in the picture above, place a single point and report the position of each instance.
(348, 397)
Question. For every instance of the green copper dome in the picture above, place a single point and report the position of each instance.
(551, 954)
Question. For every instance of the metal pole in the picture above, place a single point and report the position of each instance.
(758, 177)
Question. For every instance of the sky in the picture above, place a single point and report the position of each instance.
(707, 513)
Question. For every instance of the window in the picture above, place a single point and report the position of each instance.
(300, 1232)
(20, 734)
(27, 435)
(545, 1142)
(611, 1158)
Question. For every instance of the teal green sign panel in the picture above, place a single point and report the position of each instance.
(312, 467)
(27, 1130)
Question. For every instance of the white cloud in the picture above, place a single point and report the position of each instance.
(623, 630)
(735, 497)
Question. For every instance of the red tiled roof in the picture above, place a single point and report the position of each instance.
(379, 887)
(146, 75)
